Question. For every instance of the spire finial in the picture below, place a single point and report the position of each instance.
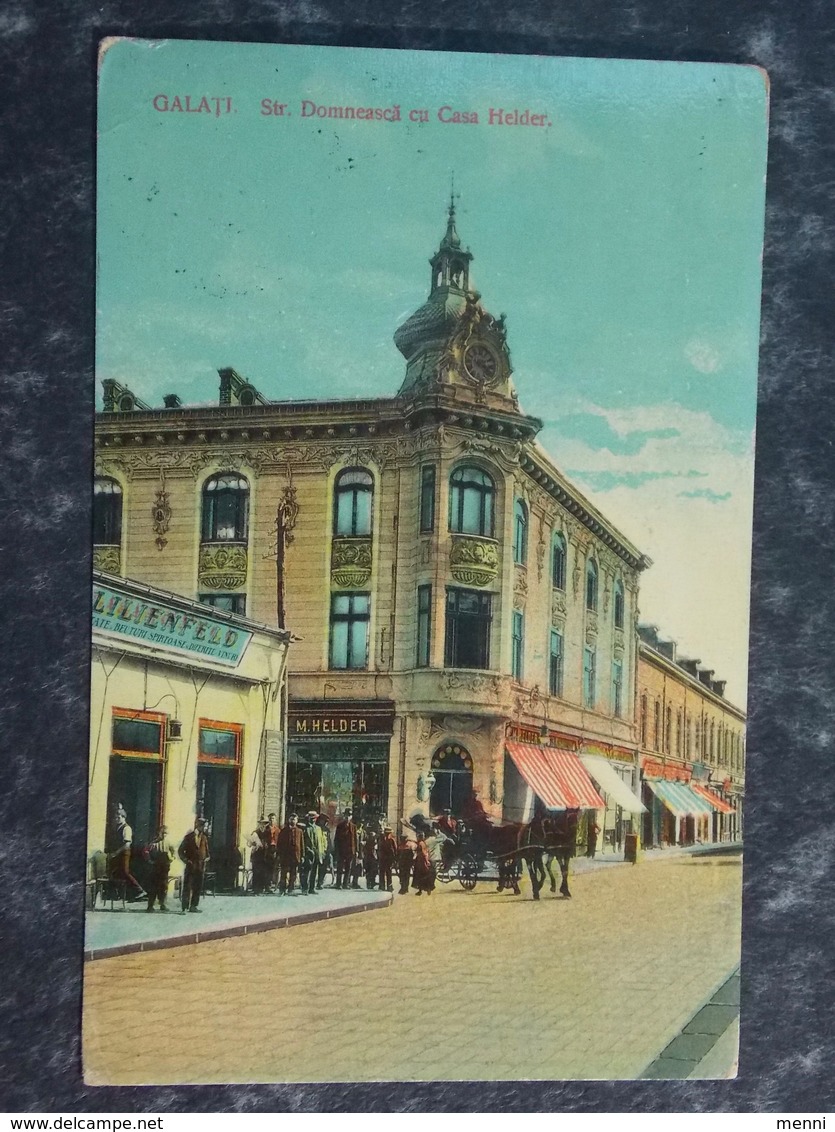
(451, 239)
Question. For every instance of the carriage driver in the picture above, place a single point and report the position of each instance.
(447, 824)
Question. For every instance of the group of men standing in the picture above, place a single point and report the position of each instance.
(282, 857)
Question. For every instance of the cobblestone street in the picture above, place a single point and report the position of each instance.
(451, 986)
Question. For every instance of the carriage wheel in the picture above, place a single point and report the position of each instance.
(468, 872)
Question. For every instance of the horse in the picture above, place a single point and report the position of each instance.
(560, 846)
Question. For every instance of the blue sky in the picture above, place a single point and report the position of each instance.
(622, 241)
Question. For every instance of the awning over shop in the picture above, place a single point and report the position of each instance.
(557, 777)
(679, 798)
(611, 783)
(718, 803)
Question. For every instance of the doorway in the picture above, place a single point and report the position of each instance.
(452, 767)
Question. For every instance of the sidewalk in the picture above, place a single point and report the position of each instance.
(604, 860)
(708, 1046)
(121, 931)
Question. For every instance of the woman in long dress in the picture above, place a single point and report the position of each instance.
(423, 871)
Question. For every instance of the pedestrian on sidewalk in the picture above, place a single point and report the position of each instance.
(194, 853)
(290, 855)
(591, 837)
(405, 862)
(328, 859)
(270, 840)
(345, 844)
(315, 847)
(120, 860)
(160, 855)
(387, 851)
(258, 857)
(370, 857)
(423, 873)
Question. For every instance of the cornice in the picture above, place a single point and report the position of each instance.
(552, 482)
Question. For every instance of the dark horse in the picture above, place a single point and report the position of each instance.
(512, 844)
(560, 846)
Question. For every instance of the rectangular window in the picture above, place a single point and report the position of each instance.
(219, 742)
(427, 498)
(589, 677)
(617, 688)
(468, 620)
(518, 654)
(656, 734)
(230, 603)
(424, 625)
(350, 614)
(133, 736)
(555, 664)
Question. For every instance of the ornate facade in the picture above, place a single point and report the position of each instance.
(448, 584)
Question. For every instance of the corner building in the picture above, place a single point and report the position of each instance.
(453, 592)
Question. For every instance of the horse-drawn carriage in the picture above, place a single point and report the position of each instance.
(465, 854)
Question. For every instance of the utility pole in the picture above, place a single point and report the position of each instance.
(285, 521)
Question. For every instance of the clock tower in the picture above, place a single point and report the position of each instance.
(452, 344)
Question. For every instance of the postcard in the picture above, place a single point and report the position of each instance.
(426, 393)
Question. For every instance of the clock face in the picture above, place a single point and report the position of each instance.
(481, 364)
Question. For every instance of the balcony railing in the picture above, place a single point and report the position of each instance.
(474, 560)
(351, 562)
(222, 565)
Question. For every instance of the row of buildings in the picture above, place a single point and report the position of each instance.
(421, 609)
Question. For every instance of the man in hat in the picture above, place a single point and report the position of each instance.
(327, 860)
(194, 853)
(290, 854)
(160, 855)
(345, 846)
(270, 841)
(120, 860)
(257, 856)
(388, 855)
(447, 824)
(315, 847)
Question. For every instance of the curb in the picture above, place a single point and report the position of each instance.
(680, 1058)
(188, 938)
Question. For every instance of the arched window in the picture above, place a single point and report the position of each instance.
(520, 533)
(352, 502)
(558, 562)
(107, 512)
(471, 494)
(644, 723)
(452, 769)
(618, 604)
(225, 508)
(591, 585)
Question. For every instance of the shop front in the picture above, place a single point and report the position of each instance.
(339, 756)
(186, 722)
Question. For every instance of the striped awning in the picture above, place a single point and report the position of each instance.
(718, 803)
(679, 798)
(557, 777)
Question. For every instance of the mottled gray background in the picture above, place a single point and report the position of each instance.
(47, 66)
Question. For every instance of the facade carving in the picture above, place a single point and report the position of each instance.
(222, 567)
(559, 607)
(107, 559)
(472, 682)
(351, 562)
(473, 560)
(161, 514)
